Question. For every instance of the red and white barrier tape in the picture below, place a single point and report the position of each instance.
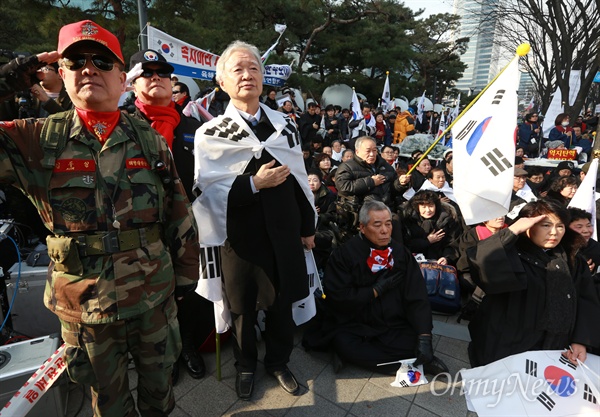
(36, 386)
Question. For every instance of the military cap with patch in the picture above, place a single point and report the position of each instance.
(86, 30)
(150, 56)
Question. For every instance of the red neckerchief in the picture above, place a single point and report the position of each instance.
(563, 129)
(100, 123)
(380, 259)
(182, 100)
(163, 119)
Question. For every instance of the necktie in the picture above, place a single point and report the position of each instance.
(252, 120)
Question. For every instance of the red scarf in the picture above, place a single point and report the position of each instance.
(163, 119)
(380, 259)
(100, 123)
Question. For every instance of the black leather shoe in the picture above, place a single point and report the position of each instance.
(194, 364)
(287, 381)
(175, 374)
(244, 385)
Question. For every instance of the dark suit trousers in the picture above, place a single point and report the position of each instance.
(279, 333)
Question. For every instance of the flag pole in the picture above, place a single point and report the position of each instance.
(218, 353)
(522, 50)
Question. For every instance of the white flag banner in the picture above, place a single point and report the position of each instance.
(484, 150)
(585, 196)
(276, 75)
(530, 105)
(194, 62)
(442, 126)
(187, 59)
(421, 108)
(279, 28)
(455, 111)
(356, 110)
(386, 103)
(556, 105)
(305, 309)
(210, 286)
(537, 383)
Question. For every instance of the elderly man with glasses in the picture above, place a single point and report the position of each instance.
(123, 238)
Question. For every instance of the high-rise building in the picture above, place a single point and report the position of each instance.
(483, 53)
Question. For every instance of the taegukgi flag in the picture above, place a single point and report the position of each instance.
(386, 103)
(210, 286)
(421, 108)
(484, 150)
(305, 309)
(537, 383)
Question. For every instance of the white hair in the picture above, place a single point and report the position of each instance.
(233, 47)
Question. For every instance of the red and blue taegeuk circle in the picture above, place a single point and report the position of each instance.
(477, 134)
(561, 382)
(165, 48)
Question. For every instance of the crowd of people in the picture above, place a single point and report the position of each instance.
(113, 189)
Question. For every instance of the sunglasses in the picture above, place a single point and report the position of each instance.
(148, 73)
(176, 91)
(101, 62)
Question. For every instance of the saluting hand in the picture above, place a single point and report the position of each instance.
(268, 177)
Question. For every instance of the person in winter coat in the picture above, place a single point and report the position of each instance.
(404, 125)
(562, 131)
(539, 292)
(431, 227)
(529, 135)
(376, 310)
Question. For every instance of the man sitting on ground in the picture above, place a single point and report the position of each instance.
(377, 309)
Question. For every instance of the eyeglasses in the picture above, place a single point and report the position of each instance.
(388, 152)
(520, 179)
(176, 92)
(47, 69)
(101, 62)
(148, 73)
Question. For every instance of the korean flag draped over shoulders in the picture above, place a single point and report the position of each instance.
(539, 383)
(484, 150)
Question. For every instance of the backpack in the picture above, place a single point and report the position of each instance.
(443, 288)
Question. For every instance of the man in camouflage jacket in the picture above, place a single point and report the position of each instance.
(124, 239)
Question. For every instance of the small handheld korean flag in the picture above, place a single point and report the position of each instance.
(305, 309)
(484, 150)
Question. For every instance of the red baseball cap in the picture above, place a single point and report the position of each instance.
(86, 30)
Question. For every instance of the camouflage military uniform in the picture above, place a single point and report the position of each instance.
(118, 302)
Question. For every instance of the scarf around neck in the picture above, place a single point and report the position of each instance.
(100, 123)
(163, 119)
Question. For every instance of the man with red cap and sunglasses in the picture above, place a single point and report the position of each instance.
(123, 240)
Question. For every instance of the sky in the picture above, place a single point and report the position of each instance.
(430, 6)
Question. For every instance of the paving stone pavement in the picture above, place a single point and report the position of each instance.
(352, 392)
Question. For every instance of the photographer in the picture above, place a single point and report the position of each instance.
(49, 95)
